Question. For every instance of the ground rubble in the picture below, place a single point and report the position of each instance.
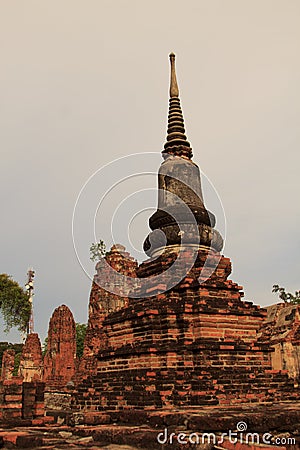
(132, 429)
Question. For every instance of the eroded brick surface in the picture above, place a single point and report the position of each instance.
(21, 400)
(104, 301)
(281, 329)
(11, 399)
(60, 357)
(30, 367)
(8, 364)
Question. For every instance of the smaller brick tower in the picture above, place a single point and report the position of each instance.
(60, 357)
(103, 301)
(30, 368)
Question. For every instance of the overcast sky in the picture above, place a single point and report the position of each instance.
(86, 82)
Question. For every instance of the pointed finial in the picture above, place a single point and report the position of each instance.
(174, 91)
(177, 143)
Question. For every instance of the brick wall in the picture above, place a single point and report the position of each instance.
(21, 400)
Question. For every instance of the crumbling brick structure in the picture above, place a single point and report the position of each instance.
(196, 344)
(21, 400)
(8, 364)
(11, 399)
(33, 400)
(179, 335)
(30, 368)
(6, 345)
(282, 330)
(104, 301)
(60, 357)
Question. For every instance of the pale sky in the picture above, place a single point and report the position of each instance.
(86, 82)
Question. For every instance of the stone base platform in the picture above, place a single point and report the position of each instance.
(130, 430)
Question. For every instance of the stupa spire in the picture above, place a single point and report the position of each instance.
(174, 91)
(177, 143)
(180, 201)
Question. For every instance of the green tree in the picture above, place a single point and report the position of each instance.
(97, 251)
(80, 335)
(287, 297)
(14, 305)
(17, 363)
(44, 346)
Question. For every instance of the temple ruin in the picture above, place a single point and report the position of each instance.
(170, 341)
(192, 342)
(60, 357)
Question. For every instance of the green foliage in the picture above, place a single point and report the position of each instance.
(17, 363)
(97, 251)
(44, 346)
(287, 297)
(80, 335)
(14, 305)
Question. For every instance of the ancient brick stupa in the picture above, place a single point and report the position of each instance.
(181, 215)
(60, 357)
(183, 337)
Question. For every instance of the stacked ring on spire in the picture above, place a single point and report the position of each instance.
(175, 133)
